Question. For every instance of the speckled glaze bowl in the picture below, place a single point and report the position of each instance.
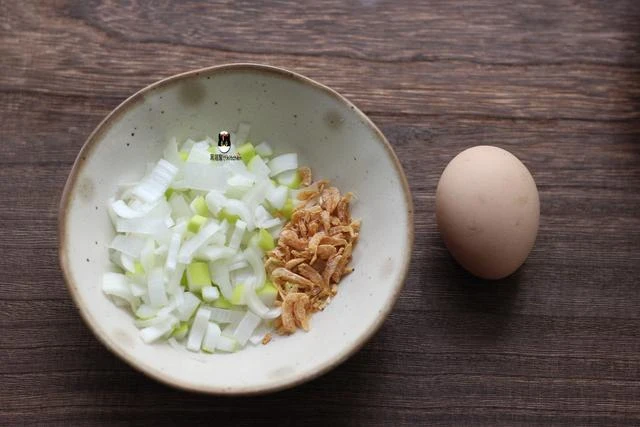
(294, 113)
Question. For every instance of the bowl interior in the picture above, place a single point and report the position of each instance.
(295, 114)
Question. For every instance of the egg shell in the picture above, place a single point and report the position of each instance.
(488, 211)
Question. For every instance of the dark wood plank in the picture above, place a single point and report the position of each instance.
(555, 82)
(582, 91)
(496, 32)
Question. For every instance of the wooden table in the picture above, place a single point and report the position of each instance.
(557, 82)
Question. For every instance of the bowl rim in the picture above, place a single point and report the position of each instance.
(92, 141)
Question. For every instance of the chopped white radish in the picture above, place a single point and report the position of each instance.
(246, 327)
(179, 206)
(227, 344)
(172, 252)
(128, 263)
(264, 149)
(215, 201)
(115, 285)
(125, 211)
(130, 245)
(211, 337)
(220, 276)
(282, 163)
(189, 305)
(204, 177)
(258, 167)
(210, 293)
(191, 235)
(238, 233)
(222, 315)
(242, 133)
(198, 329)
(153, 333)
(277, 196)
(157, 294)
(199, 154)
(190, 247)
(153, 186)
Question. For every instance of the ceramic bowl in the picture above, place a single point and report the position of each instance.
(294, 113)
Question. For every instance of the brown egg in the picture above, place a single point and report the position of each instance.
(487, 209)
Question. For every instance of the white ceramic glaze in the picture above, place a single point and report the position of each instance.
(295, 114)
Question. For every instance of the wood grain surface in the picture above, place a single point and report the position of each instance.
(557, 82)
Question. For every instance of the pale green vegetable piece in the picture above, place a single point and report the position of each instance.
(296, 181)
(265, 241)
(199, 206)
(180, 331)
(247, 152)
(268, 294)
(198, 275)
(195, 223)
(222, 302)
(287, 210)
(224, 215)
(237, 297)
